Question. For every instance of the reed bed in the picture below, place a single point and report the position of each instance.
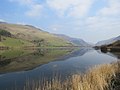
(101, 77)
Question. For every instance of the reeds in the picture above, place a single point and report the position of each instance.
(101, 77)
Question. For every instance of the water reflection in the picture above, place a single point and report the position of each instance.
(45, 63)
(113, 54)
(12, 61)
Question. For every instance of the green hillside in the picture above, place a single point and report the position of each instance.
(31, 34)
(13, 42)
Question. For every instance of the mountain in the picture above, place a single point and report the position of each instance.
(113, 47)
(107, 42)
(115, 44)
(33, 35)
(75, 41)
(3, 22)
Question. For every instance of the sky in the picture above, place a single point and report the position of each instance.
(90, 20)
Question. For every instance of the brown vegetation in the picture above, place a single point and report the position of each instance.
(101, 77)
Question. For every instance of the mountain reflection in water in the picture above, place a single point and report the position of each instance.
(47, 63)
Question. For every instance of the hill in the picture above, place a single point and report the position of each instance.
(113, 47)
(75, 41)
(107, 42)
(115, 44)
(33, 35)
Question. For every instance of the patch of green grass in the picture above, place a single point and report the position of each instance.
(1, 44)
(13, 42)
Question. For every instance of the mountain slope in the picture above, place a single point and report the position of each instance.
(75, 41)
(115, 44)
(13, 42)
(7, 39)
(33, 34)
(109, 41)
(113, 47)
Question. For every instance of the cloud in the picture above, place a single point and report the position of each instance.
(59, 5)
(56, 27)
(2, 20)
(81, 9)
(74, 8)
(102, 23)
(22, 23)
(104, 19)
(112, 8)
(34, 9)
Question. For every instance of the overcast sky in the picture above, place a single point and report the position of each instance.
(91, 20)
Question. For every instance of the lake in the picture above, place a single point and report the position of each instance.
(19, 66)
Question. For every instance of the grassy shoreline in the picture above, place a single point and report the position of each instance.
(101, 77)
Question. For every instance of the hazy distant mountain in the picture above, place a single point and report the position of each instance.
(109, 41)
(76, 41)
(3, 22)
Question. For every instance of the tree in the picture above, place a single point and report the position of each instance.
(39, 42)
(5, 33)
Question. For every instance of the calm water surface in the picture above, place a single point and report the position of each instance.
(17, 67)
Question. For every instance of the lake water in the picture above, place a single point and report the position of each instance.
(17, 67)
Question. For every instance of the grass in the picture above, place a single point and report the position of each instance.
(13, 42)
(101, 77)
